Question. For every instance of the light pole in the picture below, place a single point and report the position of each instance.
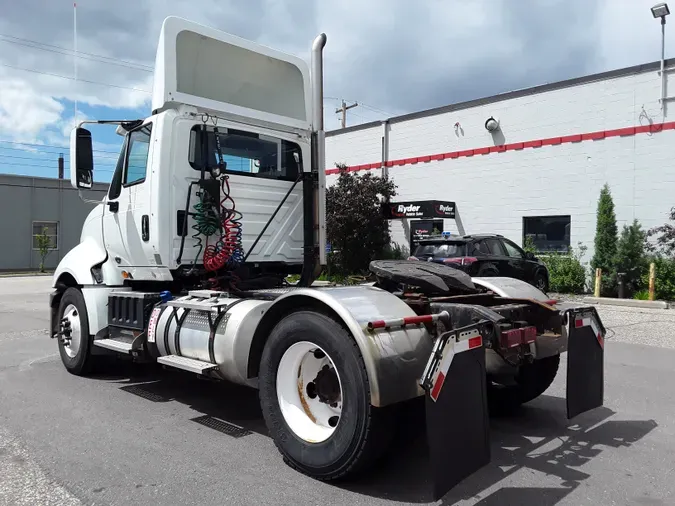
(661, 11)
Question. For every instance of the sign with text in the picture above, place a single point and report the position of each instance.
(419, 209)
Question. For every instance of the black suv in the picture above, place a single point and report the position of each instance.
(484, 255)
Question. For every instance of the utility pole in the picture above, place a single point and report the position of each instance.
(344, 110)
(61, 171)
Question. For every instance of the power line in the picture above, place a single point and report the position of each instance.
(73, 79)
(69, 52)
(50, 146)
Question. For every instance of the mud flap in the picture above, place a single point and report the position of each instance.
(456, 407)
(585, 361)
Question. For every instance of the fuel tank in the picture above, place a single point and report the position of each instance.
(217, 333)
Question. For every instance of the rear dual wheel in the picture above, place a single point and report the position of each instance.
(315, 398)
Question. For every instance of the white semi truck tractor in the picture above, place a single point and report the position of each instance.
(217, 197)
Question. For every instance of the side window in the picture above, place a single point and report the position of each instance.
(137, 158)
(480, 249)
(512, 250)
(245, 153)
(495, 247)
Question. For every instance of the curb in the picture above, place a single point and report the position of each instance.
(648, 304)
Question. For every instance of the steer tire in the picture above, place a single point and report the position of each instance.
(82, 362)
(532, 380)
(363, 431)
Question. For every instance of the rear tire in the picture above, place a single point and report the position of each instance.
(294, 414)
(487, 271)
(532, 381)
(75, 343)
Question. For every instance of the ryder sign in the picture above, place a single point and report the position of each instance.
(419, 209)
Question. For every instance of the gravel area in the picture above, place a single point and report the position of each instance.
(652, 327)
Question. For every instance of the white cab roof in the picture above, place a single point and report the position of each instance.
(219, 72)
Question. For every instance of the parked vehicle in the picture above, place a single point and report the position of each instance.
(168, 272)
(484, 255)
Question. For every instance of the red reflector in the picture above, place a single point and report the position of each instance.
(475, 342)
(551, 302)
(529, 335)
(511, 338)
(579, 323)
(437, 387)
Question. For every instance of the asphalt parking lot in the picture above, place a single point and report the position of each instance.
(141, 436)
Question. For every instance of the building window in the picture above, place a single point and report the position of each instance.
(49, 229)
(548, 233)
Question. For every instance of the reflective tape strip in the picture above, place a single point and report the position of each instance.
(442, 371)
(464, 342)
(152, 324)
(590, 322)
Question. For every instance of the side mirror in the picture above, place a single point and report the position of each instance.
(81, 159)
(530, 256)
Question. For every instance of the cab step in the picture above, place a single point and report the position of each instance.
(187, 364)
(120, 344)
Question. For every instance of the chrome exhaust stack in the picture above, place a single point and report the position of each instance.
(319, 142)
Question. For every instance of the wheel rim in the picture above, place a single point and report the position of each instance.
(70, 329)
(541, 283)
(309, 392)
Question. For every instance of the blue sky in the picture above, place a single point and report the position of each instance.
(33, 159)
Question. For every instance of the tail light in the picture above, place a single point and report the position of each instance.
(460, 260)
(515, 337)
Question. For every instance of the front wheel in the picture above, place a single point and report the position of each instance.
(314, 395)
(73, 338)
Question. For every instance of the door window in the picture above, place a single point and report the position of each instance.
(495, 247)
(512, 250)
(137, 156)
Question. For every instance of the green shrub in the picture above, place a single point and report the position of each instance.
(567, 274)
(394, 251)
(630, 257)
(664, 284)
(605, 233)
(641, 295)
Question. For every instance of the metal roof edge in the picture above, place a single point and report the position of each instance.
(523, 92)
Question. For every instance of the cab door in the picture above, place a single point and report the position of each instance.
(126, 214)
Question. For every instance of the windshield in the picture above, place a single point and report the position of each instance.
(447, 250)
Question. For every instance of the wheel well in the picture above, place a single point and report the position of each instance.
(274, 315)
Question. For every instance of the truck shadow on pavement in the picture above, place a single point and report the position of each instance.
(538, 437)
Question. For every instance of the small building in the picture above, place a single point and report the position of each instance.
(31, 205)
(531, 162)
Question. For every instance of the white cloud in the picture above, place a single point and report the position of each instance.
(395, 55)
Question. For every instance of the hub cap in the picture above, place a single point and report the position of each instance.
(70, 333)
(309, 392)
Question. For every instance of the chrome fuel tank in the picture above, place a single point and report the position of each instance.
(219, 335)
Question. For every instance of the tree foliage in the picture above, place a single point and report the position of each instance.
(630, 255)
(44, 244)
(605, 233)
(665, 237)
(355, 225)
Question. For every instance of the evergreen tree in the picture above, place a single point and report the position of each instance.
(630, 255)
(605, 233)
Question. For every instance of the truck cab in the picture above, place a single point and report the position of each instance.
(232, 121)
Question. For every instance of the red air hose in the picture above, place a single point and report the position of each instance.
(228, 247)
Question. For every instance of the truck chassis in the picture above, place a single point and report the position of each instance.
(328, 361)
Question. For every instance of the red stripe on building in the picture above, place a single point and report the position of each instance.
(552, 141)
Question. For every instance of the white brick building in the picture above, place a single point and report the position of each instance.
(541, 173)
